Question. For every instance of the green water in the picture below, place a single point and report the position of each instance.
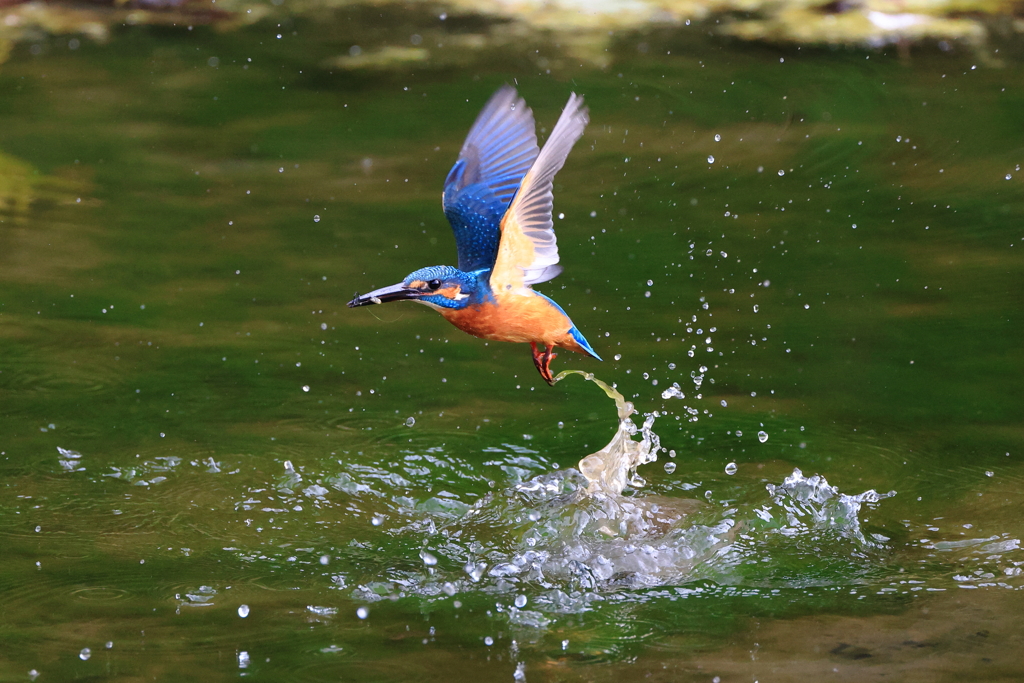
(191, 420)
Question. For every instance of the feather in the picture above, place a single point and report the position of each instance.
(500, 148)
(528, 252)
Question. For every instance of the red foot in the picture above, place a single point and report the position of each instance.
(542, 359)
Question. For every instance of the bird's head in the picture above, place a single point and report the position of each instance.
(436, 286)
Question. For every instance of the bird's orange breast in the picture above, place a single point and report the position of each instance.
(515, 318)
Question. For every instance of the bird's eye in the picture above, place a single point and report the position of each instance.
(434, 285)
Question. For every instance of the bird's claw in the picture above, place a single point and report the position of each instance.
(542, 359)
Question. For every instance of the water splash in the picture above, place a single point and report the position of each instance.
(70, 460)
(535, 541)
(811, 504)
(564, 540)
(610, 469)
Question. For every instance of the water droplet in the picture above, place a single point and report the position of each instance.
(711, 159)
(243, 660)
(305, 387)
(650, 283)
(520, 601)
(488, 641)
(781, 172)
(376, 520)
(410, 422)
(325, 559)
(85, 654)
(316, 219)
(243, 611)
(672, 392)
(739, 433)
(724, 403)
(718, 138)
(731, 468)
(990, 473)
(756, 308)
(428, 559)
(618, 356)
(670, 467)
(475, 570)
(762, 436)
(362, 612)
(1009, 177)
(448, 588)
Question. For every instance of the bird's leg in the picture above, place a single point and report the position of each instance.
(542, 359)
(538, 359)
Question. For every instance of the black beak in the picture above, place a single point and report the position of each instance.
(383, 295)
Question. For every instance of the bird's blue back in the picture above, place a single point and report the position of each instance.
(499, 150)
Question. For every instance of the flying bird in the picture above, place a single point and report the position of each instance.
(498, 199)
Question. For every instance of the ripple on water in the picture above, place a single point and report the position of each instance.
(23, 377)
(62, 586)
(361, 430)
(100, 594)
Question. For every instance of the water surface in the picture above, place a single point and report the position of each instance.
(806, 262)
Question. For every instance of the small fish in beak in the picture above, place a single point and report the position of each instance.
(397, 292)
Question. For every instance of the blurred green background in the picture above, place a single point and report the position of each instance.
(819, 205)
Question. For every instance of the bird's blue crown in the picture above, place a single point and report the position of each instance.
(448, 287)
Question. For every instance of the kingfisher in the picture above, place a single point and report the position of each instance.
(498, 198)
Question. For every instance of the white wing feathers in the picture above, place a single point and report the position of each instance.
(530, 210)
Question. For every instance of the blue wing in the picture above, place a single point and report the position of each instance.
(499, 150)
